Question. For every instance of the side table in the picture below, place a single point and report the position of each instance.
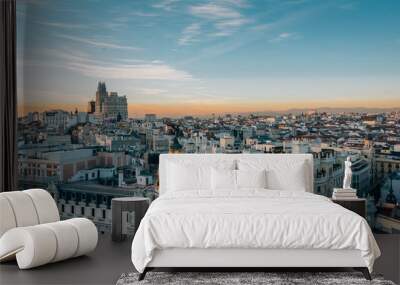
(357, 205)
(127, 212)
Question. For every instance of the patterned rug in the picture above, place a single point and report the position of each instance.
(243, 278)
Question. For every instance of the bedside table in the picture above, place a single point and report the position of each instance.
(127, 212)
(357, 205)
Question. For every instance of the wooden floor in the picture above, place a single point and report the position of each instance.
(110, 260)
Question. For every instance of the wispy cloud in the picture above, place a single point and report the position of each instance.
(113, 26)
(143, 14)
(239, 40)
(261, 27)
(285, 37)
(138, 71)
(129, 60)
(225, 16)
(151, 91)
(214, 12)
(227, 27)
(294, 2)
(63, 25)
(144, 70)
(238, 3)
(189, 34)
(166, 5)
(97, 43)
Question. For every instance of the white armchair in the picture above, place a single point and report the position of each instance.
(31, 230)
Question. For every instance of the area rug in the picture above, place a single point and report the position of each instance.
(243, 278)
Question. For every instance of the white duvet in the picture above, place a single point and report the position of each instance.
(250, 219)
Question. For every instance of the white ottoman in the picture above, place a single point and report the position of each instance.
(37, 245)
(31, 232)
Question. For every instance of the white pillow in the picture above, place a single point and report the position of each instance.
(251, 178)
(283, 173)
(183, 177)
(293, 180)
(223, 179)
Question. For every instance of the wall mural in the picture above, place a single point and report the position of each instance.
(104, 87)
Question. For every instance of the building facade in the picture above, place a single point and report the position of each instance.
(109, 104)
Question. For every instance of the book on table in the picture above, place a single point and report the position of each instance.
(340, 193)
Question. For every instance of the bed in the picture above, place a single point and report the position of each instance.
(245, 211)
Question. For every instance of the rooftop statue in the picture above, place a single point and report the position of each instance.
(347, 174)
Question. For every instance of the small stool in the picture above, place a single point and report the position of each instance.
(127, 212)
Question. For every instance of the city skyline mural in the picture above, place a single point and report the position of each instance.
(105, 87)
(176, 58)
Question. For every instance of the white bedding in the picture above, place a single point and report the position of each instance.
(250, 219)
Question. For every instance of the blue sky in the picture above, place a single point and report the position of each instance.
(265, 53)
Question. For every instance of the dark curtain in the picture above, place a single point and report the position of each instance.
(8, 96)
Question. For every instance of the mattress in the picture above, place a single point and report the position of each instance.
(250, 219)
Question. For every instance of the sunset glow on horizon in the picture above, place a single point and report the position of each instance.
(178, 58)
(206, 109)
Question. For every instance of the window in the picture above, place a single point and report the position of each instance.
(62, 208)
(104, 214)
(72, 209)
(82, 211)
(92, 212)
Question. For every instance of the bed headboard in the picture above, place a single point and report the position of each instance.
(213, 158)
